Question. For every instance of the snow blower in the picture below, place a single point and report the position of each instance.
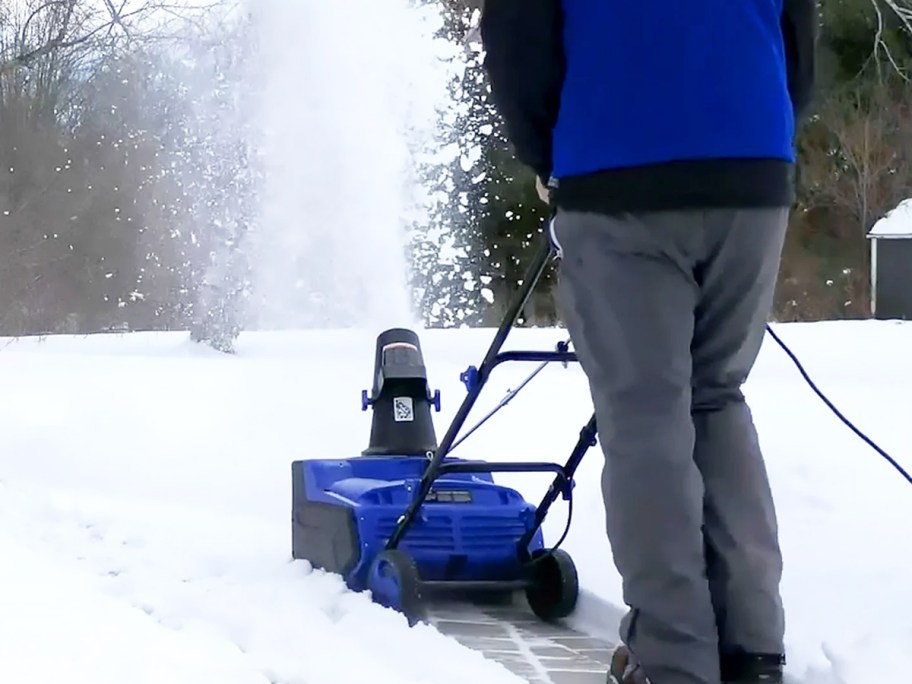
(405, 520)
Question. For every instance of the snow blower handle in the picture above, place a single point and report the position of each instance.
(492, 358)
(562, 356)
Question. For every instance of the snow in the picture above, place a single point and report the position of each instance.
(897, 223)
(355, 154)
(145, 496)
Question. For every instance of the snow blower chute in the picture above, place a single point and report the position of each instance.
(406, 520)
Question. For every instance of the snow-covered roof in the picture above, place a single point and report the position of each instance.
(896, 223)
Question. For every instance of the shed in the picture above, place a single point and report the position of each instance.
(891, 264)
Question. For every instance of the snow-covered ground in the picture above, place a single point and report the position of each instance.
(145, 496)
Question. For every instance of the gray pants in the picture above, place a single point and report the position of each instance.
(666, 312)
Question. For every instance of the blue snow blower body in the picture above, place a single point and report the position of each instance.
(467, 531)
(405, 520)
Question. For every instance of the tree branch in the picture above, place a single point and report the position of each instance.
(70, 34)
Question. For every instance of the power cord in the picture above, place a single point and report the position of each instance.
(867, 440)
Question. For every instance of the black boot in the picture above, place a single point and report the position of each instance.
(752, 668)
(624, 670)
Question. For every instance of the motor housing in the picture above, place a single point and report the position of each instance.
(401, 398)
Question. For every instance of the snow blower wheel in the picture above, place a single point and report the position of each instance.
(394, 582)
(554, 587)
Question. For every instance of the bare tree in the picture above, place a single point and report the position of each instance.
(90, 232)
(859, 158)
(35, 29)
(896, 12)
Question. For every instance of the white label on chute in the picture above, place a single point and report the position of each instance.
(403, 409)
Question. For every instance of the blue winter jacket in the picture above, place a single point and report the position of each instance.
(623, 96)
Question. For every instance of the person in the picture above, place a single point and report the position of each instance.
(663, 133)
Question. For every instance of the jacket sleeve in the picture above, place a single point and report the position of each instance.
(524, 61)
(799, 29)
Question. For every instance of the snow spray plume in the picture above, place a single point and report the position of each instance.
(356, 114)
(183, 103)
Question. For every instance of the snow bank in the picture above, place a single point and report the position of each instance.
(145, 497)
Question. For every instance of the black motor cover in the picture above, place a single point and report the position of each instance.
(400, 398)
